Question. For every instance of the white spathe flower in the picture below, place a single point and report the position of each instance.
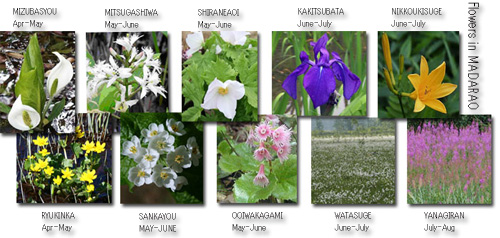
(133, 148)
(175, 127)
(124, 104)
(148, 159)
(195, 42)
(164, 143)
(164, 176)
(179, 182)
(223, 96)
(152, 131)
(179, 159)
(63, 72)
(234, 37)
(23, 117)
(194, 150)
(218, 49)
(128, 41)
(140, 176)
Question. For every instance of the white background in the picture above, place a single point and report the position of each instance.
(211, 218)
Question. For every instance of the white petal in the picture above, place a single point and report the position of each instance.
(63, 72)
(15, 116)
(210, 100)
(235, 89)
(227, 105)
(218, 49)
(194, 41)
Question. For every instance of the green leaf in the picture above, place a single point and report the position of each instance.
(223, 148)
(91, 59)
(406, 49)
(233, 163)
(53, 88)
(251, 93)
(191, 114)
(221, 70)
(356, 108)
(67, 163)
(77, 149)
(107, 99)
(4, 108)
(57, 109)
(31, 77)
(193, 92)
(286, 178)
(247, 192)
(280, 103)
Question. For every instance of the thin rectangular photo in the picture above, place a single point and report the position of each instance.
(450, 160)
(67, 168)
(353, 161)
(318, 73)
(37, 82)
(418, 74)
(220, 76)
(127, 72)
(161, 159)
(257, 162)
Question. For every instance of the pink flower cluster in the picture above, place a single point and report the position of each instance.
(268, 138)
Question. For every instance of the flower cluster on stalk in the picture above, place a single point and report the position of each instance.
(158, 160)
(121, 71)
(269, 138)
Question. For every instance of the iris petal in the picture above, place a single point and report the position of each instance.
(351, 84)
(319, 84)
(320, 44)
(290, 83)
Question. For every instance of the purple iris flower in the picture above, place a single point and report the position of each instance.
(319, 79)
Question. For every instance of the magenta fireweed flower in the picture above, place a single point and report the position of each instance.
(261, 179)
(319, 79)
(263, 131)
(262, 153)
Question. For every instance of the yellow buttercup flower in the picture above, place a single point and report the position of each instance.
(31, 156)
(42, 163)
(88, 176)
(429, 87)
(79, 132)
(88, 147)
(49, 170)
(57, 180)
(35, 168)
(41, 141)
(99, 147)
(89, 199)
(44, 152)
(67, 173)
(90, 188)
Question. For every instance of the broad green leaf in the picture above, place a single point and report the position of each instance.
(245, 191)
(4, 108)
(31, 77)
(356, 108)
(232, 163)
(223, 148)
(221, 70)
(90, 58)
(57, 109)
(405, 50)
(53, 88)
(286, 178)
(251, 93)
(193, 92)
(191, 114)
(77, 148)
(280, 103)
(67, 163)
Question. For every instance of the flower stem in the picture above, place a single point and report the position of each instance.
(401, 105)
(229, 143)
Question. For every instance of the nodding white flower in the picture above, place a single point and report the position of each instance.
(218, 49)
(175, 127)
(179, 159)
(150, 82)
(23, 117)
(128, 41)
(133, 148)
(195, 42)
(164, 176)
(224, 96)
(148, 159)
(140, 176)
(123, 104)
(116, 72)
(152, 131)
(194, 150)
(163, 143)
(179, 182)
(63, 72)
(234, 37)
(261, 179)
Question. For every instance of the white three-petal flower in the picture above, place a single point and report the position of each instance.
(23, 117)
(63, 72)
(224, 96)
(195, 42)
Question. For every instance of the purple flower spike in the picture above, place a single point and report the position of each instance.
(290, 83)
